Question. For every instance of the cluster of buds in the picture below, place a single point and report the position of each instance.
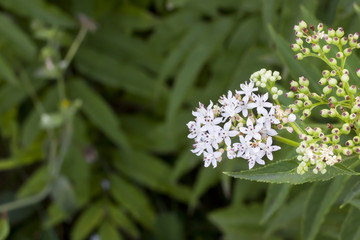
(322, 147)
(266, 79)
(246, 118)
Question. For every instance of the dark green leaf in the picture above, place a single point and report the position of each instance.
(350, 228)
(321, 198)
(285, 172)
(109, 232)
(275, 198)
(88, 221)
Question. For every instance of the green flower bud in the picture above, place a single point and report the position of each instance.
(358, 72)
(307, 103)
(340, 92)
(306, 113)
(352, 116)
(332, 99)
(339, 55)
(294, 83)
(356, 150)
(356, 36)
(356, 139)
(345, 116)
(353, 43)
(349, 143)
(302, 24)
(295, 47)
(305, 51)
(347, 151)
(352, 89)
(332, 112)
(333, 73)
(309, 130)
(274, 90)
(347, 52)
(331, 32)
(335, 131)
(326, 48)
(275, 96)
(299, 56)
(337, 148)
(325, 73)
(322, 81)
(280, 92)
(332, 82)
(332, 61)
(299, 41)
(299, 103)
(320, 27)
(345, 129)
(324, 112)
(290, 94)
(343, 41)
(345, 78)
(340, 32)
(315, 47)
(336, 41)
(304, 89)
(335, 138)
(356, 108)
(327, 90)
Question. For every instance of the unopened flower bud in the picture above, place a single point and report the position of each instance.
(305, 51)
(339, 55)
(325, 73)
(352, 89)
(335, 138)
(292, 117)
(340, 92)
(295, 47)
(345, 129)
(345, 78)
(324, 112)
(299, 56)
(353, 43)
(299, 41)
(290, 94)
(340, 32)
(347, 151)
(322, 81)
(343, 41)
(331, 32)
(306, 113)
(327, 90)
(332, 61)
(332, 82)
(358, 72)
(326, 48)
(336, 41)
(347, 52)
(356, 35)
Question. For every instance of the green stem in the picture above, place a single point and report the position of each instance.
(75, 46)
(286, 141)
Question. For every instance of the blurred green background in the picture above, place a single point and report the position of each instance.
(128, 172)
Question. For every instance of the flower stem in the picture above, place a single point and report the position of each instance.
(286, 141)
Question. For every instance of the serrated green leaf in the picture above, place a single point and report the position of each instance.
(350, 228)
(321, 198)
(109, 232)
(88, 221)
(4, 229)
(285, 172)
(134, 200)
(275, 198)
(123, 221)
(99, 112)
(194, 62)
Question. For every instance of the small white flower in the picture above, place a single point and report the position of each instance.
(268, 118)
(261, 103)
(268, 148)
(248, 90)
(226, 133)
(195, 129)
(251, 131)
(212, 158)
(292, 117)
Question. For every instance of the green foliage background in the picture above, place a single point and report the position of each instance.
(129, 172)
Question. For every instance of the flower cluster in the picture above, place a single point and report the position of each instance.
(242, 124)
(325, 146)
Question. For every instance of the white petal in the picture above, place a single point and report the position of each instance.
(251, 163)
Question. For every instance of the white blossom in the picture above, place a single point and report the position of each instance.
(269, 148)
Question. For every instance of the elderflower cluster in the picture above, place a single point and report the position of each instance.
(242, 125)
(266, 79)
(338, 100)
